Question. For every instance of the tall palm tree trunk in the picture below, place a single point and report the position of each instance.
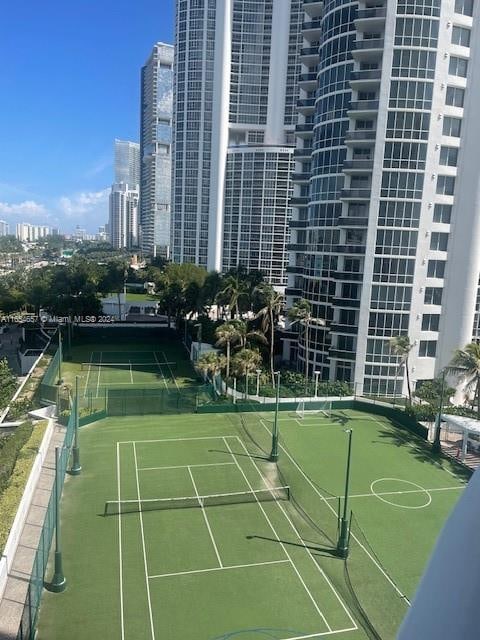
(409, 389)
(307, 351)
(228, 359)
(272, 337)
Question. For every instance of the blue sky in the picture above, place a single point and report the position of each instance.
(70, 84)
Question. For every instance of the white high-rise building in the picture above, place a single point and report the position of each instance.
(386, 224)
(155, 150)
(26, 232)
(235, 93)
(123, 216)
(4, 228)
(127, 162)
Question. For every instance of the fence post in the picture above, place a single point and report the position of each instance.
(59, 582)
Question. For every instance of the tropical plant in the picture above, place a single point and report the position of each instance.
(301, 312)
(401, 347)
(245, 362)
(211, 363)
(431, 391)
(235, 291)
(272, 302)
(227, 334)
(465, 365)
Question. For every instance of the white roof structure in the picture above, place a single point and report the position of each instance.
(462, 423)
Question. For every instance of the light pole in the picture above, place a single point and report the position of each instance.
(342, 545)
(246, 385)
(76, 466)
(59, 582)
(60, 354)
(199, 339)
(317, 373)
(259, 371)
(437, 447)
(274, 451)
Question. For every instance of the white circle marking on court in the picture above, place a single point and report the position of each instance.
(395, 504)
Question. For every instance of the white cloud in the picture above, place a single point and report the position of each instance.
(26, 208)
(83, 202)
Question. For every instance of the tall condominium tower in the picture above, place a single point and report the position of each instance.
(123, 216)
(235, 92)
(4, 228)
(127, 163)
(386, 223)
(155, 150)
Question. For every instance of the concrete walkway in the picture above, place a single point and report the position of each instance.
(12, 602)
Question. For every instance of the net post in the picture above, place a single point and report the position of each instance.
(274, 451)
(343, 540)
(76, 467)
(59, 582)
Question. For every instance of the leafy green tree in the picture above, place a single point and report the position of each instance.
(272, 305)
(10, 244)
(465, 365)
(246, 362)
(211, 363)
(113, 281)
(227, 334)
(431, 391)
(8, 383)
(235, 291)
(401, 347)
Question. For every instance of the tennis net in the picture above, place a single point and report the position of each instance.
(130, 364)
(117, 507)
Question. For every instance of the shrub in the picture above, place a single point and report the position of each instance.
(10, 450)
(11, 496)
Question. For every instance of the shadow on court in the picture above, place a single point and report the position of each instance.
(235, 453)
(311, 546)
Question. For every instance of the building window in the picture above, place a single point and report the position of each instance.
(427, 349)
(452, 127)
(461, 36)
(436, 268)
(464, 7)
(439, 241)
(449, 156)
(458, 67)
(442, 213)
(430, 322)
(446, 185)
(455, 97)
(433, 295)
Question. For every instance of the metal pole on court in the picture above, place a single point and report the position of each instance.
(60, 355)
(76, 467)
(437, 447)
(234, 391)
(274, 452)
(342, 545)
(59, 582)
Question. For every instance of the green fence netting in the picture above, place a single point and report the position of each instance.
(28, 622)
(49, 384)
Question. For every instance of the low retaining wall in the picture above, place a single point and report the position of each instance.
(19, 522)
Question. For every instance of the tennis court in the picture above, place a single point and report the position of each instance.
(179, 527)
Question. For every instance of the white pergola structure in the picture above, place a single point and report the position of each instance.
(464, 426)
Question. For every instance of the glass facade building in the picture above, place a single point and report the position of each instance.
(387, 90)
(155, 150)
(127, 163)
(236, 86)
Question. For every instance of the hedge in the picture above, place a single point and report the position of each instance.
(10, 450)
(12, 495)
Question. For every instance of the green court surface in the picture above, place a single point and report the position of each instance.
(241, 559)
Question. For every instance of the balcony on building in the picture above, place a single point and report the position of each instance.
(291, 268)
(350, 221)
(349, 329)
(311, 29)
(346, 302)
(304, 129)
(307, 80)
(360, 108)
(365, 136)
(302, 153)
(314, 8)
(303, 176)
(356, 194)
(295, 247)
(358, 249)
(298, 224)
(347, 276)
(341, 355)
(365, 79)
(306, 105)
(357, 165)
(294, 291)
(370, 19)
(368, 49)
(309, 55)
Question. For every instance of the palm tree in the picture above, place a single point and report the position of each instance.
(235, 289)
(272, 307)
(465, 364)
(247, 336)
(211, 363)
(301, 312)
(227, 334)
(244, 362)
(401, 347)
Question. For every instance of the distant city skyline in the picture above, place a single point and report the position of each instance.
(56, 159)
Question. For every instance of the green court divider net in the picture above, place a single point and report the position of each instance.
(49, 386)
(28, 623)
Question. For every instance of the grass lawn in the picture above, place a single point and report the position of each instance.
(141, 297)
(237, 559)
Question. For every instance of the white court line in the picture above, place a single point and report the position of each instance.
(178, 439)
(379, 567)
(170, 369)
(323, 633)
(88, 375)
(161, 371)
(143, 545)
(120, 543)
(394, 493)
(297, 533)
(223, 568)
(187, 466)
(131, 372)
(279, 540)
(99, 370)
(206, 519)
